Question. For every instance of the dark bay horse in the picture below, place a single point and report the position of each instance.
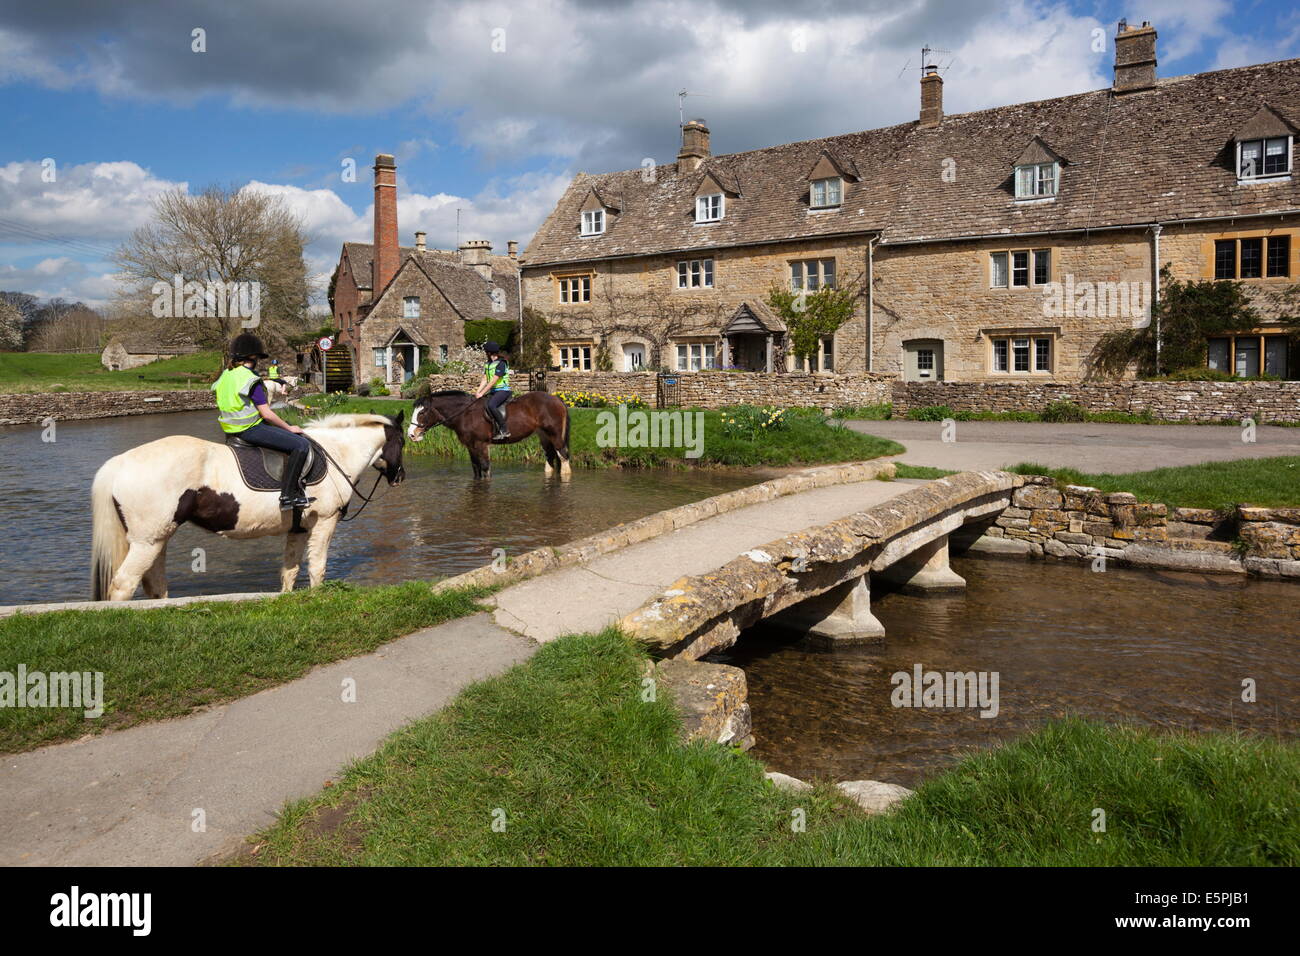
(466, 415)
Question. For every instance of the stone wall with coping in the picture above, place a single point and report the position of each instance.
(1171, 401)
(708, 389)
(27, 407)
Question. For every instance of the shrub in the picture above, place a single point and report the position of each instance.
(377, 387)
(598, 400)
(1064, 410)
(930, 413)
(416, 388)
(751, 421)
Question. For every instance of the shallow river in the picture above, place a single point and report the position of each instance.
(438, 522)
(1160, 649)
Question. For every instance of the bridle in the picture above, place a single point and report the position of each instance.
(365, 499)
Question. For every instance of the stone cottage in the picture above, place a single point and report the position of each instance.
(413, 301)
(990, 246)
(140, 348)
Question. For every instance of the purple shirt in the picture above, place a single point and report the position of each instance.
(257, 394)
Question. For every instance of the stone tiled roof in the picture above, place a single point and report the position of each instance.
(362, 256)
(470, 295)
(1158, 155)
(158, 341)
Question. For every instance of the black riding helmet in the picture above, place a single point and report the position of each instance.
(247, 346)
(491, 348)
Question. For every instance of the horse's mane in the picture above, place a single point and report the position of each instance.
(450, 393)
(343, 420)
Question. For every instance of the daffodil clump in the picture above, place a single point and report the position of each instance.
(599, 400)
(752, 421)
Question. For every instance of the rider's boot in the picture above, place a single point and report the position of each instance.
(499, 414)
(292, 493)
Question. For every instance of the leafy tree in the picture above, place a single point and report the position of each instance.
(11, 327)
(811, 316)
(1188, 314)
(535, 349)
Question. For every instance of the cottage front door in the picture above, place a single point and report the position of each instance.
(923, 360)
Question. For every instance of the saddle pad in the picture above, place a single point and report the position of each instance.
(262, 468)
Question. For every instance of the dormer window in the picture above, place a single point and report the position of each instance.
(709, 208)
(827, 193)
(593, 222)
(1036, 180)
(1257, 158)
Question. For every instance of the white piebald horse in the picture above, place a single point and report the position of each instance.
(142, 496)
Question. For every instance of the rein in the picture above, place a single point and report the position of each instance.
(351, 484)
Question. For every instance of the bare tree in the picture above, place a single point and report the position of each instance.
(222, 238)
(62, 327)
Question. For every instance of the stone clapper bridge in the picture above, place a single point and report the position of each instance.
(799, 551)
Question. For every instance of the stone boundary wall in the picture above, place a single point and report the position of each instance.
(1172, 401)
(1082, 523)
(708, 389)
(20, 408)
(532, 563)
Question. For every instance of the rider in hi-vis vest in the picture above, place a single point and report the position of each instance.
(244, 410)
(496, 379)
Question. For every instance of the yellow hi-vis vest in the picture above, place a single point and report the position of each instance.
(273, 371)
(490, 370)
(237, 410)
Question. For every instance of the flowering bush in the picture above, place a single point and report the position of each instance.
(598, 400)
(751, 421)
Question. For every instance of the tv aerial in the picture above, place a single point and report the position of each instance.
(928, 59)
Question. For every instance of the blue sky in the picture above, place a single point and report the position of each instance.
(491, 107)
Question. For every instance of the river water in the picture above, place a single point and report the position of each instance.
(1167, 650)
(438, 522)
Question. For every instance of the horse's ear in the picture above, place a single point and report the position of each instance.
(398, 419)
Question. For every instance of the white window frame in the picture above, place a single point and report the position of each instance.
(1005, 261)
(1263, 153)
(381, 357)
(695, 274)
(1044, 180)
(710, 208)
(576, 357)
(812, 274)
(1003, 350)
(832, 192)
(695, 356)
(571, 294)
(593, 222)
(411, 307)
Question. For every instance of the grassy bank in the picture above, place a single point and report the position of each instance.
(49, 372)
(165, 662)
(809, 439)
(583, 772)
(1265, 482)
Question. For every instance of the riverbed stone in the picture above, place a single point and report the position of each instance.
(712, 700)
(875, 796)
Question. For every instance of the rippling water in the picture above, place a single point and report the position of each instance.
(438, 522)
(1169, 650)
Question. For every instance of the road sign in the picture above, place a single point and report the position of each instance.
(325, 343)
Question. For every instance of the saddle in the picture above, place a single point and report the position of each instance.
(508, 402)
(262, 468)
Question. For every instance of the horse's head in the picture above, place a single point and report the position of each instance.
(436, 409)
(390, 456)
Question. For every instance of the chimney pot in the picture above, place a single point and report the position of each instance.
(1135, 57)
(931, 97)
(695, 145)
(477, 253)
(420, 241)
(512, 248)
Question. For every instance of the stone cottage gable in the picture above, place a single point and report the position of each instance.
(1160, 154)
(361, 256)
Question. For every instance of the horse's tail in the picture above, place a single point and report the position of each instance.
(564, 435)
(108, 544)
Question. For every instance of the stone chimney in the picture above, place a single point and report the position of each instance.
(1135, 57)
(512, 248)
(477, 253)
(419, 241)
(695, 145)
(386, 252)
(931, 96)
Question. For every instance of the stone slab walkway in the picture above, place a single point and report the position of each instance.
(600, 592)
(128, 797)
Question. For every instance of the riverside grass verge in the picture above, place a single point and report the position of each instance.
(166, 662)
(809, 439)
(1220, 485)
(53, 372)
(583, 772)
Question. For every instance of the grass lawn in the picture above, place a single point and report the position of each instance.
(809, 440)
(583, 772)
(50, 372)
(1264, 482)
(165, 662)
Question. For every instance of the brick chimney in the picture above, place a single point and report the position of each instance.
(419, 241)
(1135, 57)
(386, 252)
(931, 96)
(695, 145)
(512, 248)
(476, 253)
